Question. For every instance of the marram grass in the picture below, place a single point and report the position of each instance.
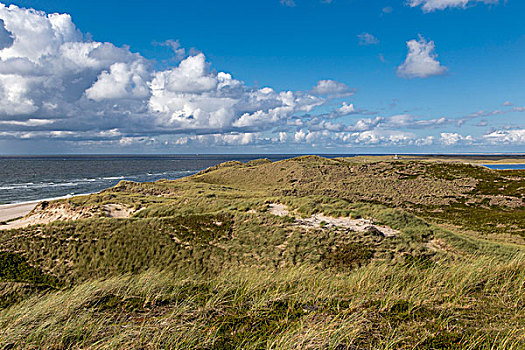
(203, 264)
(477, 305)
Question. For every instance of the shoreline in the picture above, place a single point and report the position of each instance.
(493, 166)
(11, 211)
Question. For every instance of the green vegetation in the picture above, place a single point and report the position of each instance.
(204, 263)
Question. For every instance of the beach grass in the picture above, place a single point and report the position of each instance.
(475, 304)
(203, 263)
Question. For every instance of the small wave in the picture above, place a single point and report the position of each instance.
(64, 188)
(113, 178)
(15, 186)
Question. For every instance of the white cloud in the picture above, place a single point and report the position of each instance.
(14, 95)
(482, 113)
(29, 122)
(346, 108)
(421, 61)
(289, 3)
(516, 136)
(450, 139)
(367, 39)
(331, 88)
(375, 138)
(228, 139)
(410, 121)
(49, 62)
(425, 141)
(300, 136)
(432, 5)
(56, 84)
(121, 82)
(366, 124)
(383, 137)
(50, 71)
(191, 76)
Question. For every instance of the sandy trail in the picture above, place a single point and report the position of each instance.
(357, 225)
(320, 220)
(13, 211)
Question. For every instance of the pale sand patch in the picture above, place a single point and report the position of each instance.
(278, 209)
(117, 211)
(13, 211)
(47, 212)
(357, 225)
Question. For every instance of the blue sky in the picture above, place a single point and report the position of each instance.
(458, 88)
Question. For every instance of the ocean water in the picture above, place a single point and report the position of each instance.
(505, 166)
(29, 178)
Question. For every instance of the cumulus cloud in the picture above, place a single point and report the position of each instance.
(48, 66)
(367, 39)
(516, 136)
(376, 137)
(421, 60)
(53, 78)
(332, 88)
(60, 86)
(122, 81)
(453, 138)
(433, 5)
(346, 109)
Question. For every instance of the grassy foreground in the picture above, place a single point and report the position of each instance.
(203, 263)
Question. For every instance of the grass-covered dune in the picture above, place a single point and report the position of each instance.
(207, 262)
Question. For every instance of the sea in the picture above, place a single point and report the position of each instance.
(31, 178)
(505, 166)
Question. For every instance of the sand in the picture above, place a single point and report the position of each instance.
(357, 225)
(14, 211)
(17, 214)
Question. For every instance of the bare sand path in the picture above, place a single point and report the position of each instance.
(322, 221)
(13, 211)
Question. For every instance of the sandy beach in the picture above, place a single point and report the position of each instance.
(13, 211)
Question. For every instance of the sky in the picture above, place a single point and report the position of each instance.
(273, 76)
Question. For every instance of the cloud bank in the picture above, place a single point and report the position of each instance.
(54, 79)
(59, 86)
